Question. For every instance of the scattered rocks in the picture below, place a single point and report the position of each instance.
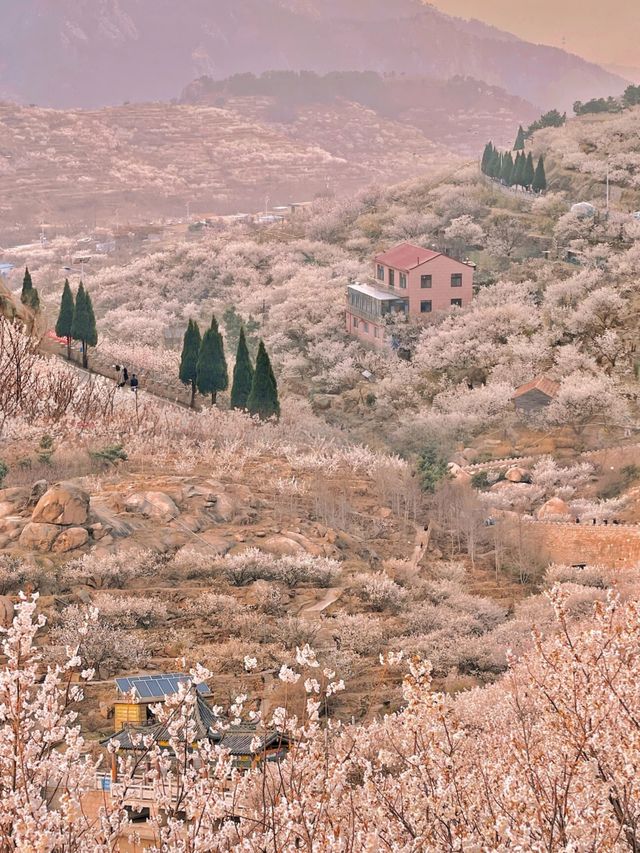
(70, 539)
(98, 530)
(65, 504)
(38, 536)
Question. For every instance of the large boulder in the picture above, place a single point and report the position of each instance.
(152, 505)
(70, 539)
(553, 509)
(517, 475)
(64, 503)
(281, 546)
(37, 536)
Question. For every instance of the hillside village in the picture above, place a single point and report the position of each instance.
(376, 482)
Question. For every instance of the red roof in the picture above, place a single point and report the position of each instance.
(547, 386)
(406, 256)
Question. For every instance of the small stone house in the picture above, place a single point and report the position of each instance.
(535, 395)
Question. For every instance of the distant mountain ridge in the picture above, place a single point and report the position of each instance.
(87, 53)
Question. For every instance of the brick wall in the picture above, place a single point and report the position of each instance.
(568, 544)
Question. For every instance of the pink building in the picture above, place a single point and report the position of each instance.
(410, 280)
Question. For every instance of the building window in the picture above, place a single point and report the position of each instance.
(354, 322)
(456, 279)
(425, 306)
(380, 272)
(392, 278)
(403, 280)
(426, 281)
(365, 326)
(456, 303)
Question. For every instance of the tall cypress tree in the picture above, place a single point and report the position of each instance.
(211, 369)
(83, 326)
(486, 157)
(29, 295)
(540, 178)
(518, 170)
(506, 172)
(529, 171)
(189, 360)
(494, 165)
(263, 398)
(519, 143)
(64, 323)
(242, 375)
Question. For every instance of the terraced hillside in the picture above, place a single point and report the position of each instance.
(142, 162)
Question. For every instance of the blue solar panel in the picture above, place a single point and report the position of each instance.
(160, 686)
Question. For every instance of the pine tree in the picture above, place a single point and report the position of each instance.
(189, 360)
(64, 322)
(540, 178)
(211, 369)
(519, 143)
(506, 172)
(529, 171)
(263, 399)
(83, 326)
(242, 375)
(29, 295)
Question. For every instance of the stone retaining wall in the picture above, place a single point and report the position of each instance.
(569, 544)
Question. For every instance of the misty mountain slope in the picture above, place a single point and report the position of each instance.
(94, 52)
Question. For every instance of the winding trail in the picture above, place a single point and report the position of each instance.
(310, 611)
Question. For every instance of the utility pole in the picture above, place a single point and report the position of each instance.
(607, 189)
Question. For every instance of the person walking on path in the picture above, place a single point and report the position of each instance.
(125, 377)
(134, 383)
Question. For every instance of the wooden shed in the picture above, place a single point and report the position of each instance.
(535, 395)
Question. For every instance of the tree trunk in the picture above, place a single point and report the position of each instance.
(68, 348)
(192, 404)
(214, 397)
(85, 358)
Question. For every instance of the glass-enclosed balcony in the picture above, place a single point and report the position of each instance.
(372, 303)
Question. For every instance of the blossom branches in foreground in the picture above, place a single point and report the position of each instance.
(544, 760)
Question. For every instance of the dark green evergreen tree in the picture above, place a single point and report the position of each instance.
(263, 398)
(494, 165)
(518, 170)
(519, 143)
(211, 370)
(540, 178)
(486, 157)
(83, 326)
(529, 171)
(188, 373)
(29, 295)
(242, 375)
(233, 322)
(506, 173)
(64, 323)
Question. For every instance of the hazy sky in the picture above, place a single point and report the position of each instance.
(606, 32)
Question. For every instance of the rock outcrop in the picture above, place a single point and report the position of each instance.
(38, 536)
(64, 503)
